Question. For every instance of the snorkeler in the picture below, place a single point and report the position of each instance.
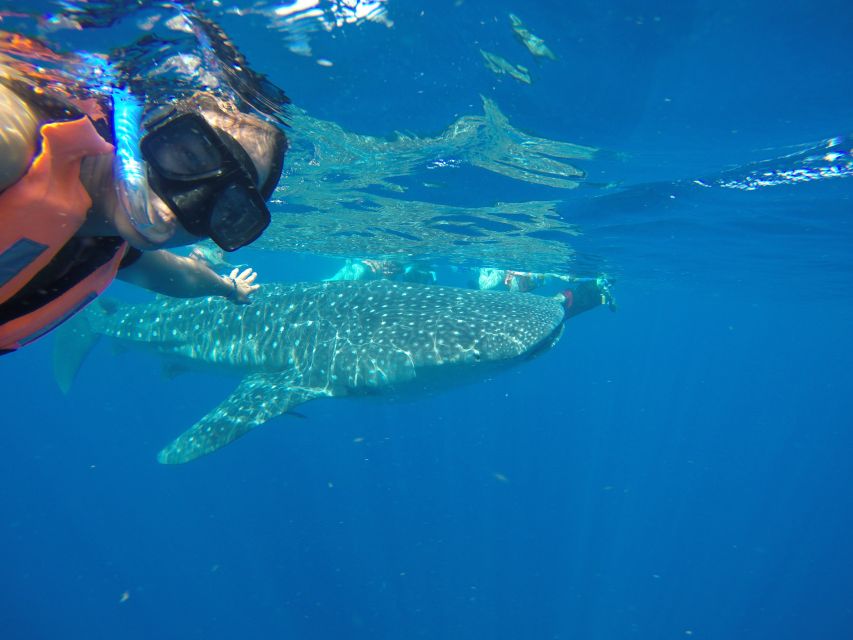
(81, 206)
(582, 293)
(489, 278)
(385, 269)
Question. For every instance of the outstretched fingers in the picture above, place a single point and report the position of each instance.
(244, 284)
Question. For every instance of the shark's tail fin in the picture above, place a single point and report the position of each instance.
(72, 343)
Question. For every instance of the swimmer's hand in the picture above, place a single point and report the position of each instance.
(241, 285)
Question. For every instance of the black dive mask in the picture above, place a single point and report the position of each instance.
(206, 178)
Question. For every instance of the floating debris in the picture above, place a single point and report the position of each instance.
(534, 44)
(499, 66)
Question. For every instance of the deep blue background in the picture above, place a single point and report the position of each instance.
(679, 468)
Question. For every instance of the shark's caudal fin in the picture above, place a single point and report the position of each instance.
(258, 398)
(72, 343)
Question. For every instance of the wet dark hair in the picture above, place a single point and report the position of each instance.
(155, 66)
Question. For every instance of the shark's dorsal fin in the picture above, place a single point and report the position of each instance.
(258, 398)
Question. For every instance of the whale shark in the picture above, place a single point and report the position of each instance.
(301, 342)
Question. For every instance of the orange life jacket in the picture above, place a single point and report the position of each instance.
(39, 214)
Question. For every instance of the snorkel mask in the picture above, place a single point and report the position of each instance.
(205, 177)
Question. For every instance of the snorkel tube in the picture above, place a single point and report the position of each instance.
(131, 180)
(128, 168)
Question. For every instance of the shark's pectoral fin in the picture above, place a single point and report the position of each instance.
(256, 399)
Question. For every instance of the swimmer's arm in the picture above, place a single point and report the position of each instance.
(18, 133)
(179, 277)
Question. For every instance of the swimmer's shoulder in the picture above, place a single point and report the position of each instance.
(19, 126)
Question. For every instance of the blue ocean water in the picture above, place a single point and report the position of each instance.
(679, 468)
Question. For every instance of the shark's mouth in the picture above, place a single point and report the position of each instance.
(546, 343)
